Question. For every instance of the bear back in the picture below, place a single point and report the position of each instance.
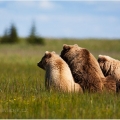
(58, 73)
(85, 68)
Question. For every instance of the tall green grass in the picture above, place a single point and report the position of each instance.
(22, 90)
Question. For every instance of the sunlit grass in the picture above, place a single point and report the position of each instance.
(22, 90)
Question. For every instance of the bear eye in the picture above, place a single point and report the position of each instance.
(99, 60)
(67, 49)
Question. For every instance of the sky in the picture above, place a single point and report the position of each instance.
(62, 19)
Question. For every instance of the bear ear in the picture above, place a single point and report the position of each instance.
(76, 45)
(53, 52)
(66, 47)
(101, 58)
(47, 54)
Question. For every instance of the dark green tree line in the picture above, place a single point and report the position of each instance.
(10, 35)
(33, 38)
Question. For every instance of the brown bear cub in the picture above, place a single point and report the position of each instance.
(85, 69)
(58, 74)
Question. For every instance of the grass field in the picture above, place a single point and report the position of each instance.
(22, 91)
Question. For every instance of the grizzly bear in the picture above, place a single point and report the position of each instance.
(109, 66)
(85, 69)
(58, 74)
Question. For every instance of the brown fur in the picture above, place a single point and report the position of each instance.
(118, 86)
(85, 68)
(109, 66)
(58, 74)
(110, 84)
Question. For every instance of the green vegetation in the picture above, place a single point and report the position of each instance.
(22, 91)
(33, 38)
(10, 36)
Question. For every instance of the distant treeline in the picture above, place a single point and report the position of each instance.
(11, 36)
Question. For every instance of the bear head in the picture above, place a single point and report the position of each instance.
(105, 64)
(70, 52)
(45, 59)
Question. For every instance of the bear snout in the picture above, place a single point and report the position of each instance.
(62, 53)
(37, 64)
(40, 65)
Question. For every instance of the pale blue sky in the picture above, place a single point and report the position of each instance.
(76, 19)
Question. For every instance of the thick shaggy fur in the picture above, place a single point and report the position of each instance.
(109, 66)
(85, 69)
(110, 84)
(58, 74)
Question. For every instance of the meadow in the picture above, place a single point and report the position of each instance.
(22, 90)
